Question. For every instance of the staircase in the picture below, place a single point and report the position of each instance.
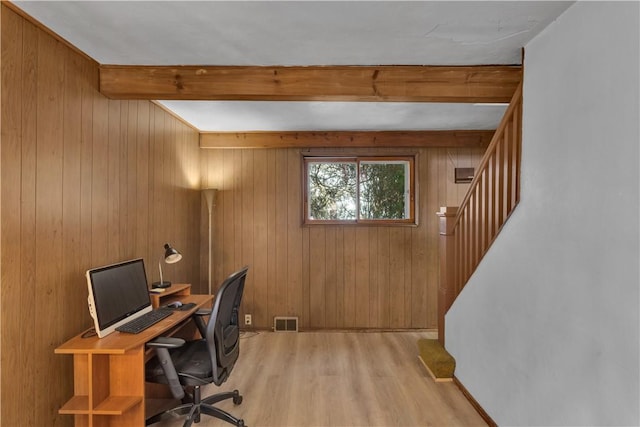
(467, 231)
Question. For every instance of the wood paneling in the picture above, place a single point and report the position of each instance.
(370, 139)
(408, 83)
(85, 181)
(330, 276)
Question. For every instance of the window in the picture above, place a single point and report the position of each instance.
(359, 190)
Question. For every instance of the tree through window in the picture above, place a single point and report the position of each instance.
(359, 189)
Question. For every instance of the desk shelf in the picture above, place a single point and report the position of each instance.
(76, 405)
(107, 382)
(112, 405)
(172, 293)
(117, 405)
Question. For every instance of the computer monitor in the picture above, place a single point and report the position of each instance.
(118, 293)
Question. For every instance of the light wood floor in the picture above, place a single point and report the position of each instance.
(338, 379)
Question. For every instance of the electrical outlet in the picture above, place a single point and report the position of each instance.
(247, 319)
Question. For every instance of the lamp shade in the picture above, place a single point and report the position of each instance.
(171, 255)
(210, 195)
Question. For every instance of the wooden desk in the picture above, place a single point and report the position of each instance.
(108, 373)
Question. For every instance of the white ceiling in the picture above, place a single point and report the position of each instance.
(305, 33)
(326, 116)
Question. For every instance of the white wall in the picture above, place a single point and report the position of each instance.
(547, 330)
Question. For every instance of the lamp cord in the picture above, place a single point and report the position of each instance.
(91, 332)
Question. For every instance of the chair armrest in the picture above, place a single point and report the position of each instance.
(162, 346)
(199, 321)
(166, 342)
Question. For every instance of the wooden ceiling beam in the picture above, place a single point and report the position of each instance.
(352, 139)
(315, 83)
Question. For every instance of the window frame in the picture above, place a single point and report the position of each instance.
(409, 159)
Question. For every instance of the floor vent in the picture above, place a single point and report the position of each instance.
(285, 324)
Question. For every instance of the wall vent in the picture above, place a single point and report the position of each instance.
(463, 175)
(285, 324)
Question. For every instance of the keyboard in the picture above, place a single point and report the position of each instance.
(143, 322)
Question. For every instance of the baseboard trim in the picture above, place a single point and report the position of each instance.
(474, 403)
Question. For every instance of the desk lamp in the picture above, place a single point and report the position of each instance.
(171, 256)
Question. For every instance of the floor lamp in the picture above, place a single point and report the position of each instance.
(210, 196)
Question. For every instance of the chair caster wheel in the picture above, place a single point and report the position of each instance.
(237, 398)
(240, 423)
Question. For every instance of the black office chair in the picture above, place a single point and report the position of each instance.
(187, 365)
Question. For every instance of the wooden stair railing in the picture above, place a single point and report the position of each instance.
(467, 232)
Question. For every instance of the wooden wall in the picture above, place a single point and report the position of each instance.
(330, 276)
(85, 181)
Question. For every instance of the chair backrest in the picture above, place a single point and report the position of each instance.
(223, 328)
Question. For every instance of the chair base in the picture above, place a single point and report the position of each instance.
(204, 406)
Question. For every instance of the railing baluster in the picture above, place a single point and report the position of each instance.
(480, 200)
(459, 265)
(517, 126)
(472, 229)
(478, 217)
(500, 182)
(467, 246)
(487, 201)
(508, 156)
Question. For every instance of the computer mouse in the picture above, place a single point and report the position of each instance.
(175, 304)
